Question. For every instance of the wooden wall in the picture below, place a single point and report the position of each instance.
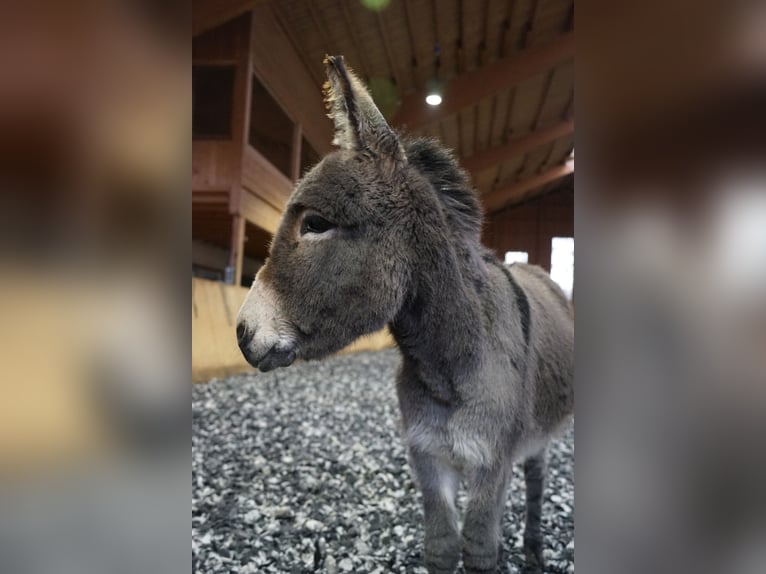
(530, 226)
(216, 164)
(262, 178)
(231, 180)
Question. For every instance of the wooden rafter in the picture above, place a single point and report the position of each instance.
(207, 14)
(517, 147)
(468, 89)
(392, 64)
(524, 189)
(284, 23)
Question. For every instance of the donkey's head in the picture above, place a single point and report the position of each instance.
(338, 262)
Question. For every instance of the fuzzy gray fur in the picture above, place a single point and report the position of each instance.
(488, 350)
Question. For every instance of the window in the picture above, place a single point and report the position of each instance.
(516, 257)
(271, 130)
(562, 263)
(212, 101)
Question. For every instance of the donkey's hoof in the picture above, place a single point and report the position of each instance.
(442, 556)
(533, 557)
(480, 559)
(441, 564)
(532, 568)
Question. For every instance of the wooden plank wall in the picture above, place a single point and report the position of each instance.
(217, 164)
(253, 187)
(262, 178)
(214, 166)
(214, 345)
(531, 226)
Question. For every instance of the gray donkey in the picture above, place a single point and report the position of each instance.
(386, 231)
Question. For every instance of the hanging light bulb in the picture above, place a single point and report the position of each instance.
(434, 93)
(434, 87)
(433, 99)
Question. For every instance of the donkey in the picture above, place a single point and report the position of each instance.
(386, 231)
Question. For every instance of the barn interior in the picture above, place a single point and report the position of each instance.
(303, 469)
(503, 73)
(492, 80)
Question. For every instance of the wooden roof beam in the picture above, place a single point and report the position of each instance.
(470, 88)
(524, 189)
(207, 14)
(518, 147)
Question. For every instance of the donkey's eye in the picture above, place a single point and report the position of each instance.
(313, 223)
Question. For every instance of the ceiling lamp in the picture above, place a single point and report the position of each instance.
(433, 99)
(434, 92)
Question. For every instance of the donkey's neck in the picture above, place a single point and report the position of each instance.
(440, 328)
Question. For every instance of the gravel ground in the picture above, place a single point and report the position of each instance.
(303, 470)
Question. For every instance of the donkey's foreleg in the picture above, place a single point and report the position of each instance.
(534, 475)
(438, 484)
(481, 528)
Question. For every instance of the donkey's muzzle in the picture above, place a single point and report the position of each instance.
(244, 336)
(276, 357)
(263, 334)
(281, 354)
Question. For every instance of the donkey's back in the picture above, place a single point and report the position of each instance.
(550, 361)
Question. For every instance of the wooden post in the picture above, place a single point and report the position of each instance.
(240, 132)
(243, 83)
(234, 270)
(295, 165)
(543, 262)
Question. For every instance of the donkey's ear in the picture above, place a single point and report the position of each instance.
(359, 125)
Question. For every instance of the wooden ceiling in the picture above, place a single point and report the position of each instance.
(505, 69)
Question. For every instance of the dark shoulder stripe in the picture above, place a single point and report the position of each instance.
(521, 297)
(521, 301)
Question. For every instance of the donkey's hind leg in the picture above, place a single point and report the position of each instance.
(534, 475)
(438, 483)
(481, 528)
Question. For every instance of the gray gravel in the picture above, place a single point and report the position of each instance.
(303, 470)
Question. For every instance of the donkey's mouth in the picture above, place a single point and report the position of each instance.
(276, 358)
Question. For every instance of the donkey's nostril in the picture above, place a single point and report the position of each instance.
(243, 335)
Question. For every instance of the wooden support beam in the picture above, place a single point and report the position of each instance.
(524, 189)
(260, 212)
(280, 68)
(295, 160)
(517, 147)
(468, 89)
(240, 116)
(218, 198)
(207, 14)
(261, 177)
(236, 250)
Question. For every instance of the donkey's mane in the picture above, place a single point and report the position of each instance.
(450, 183)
